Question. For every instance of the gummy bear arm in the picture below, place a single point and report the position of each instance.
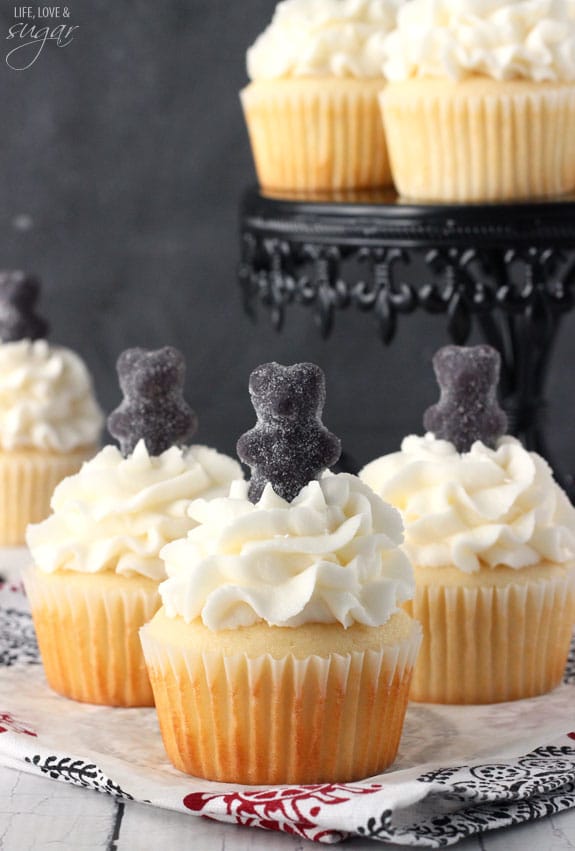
(192, 429)
(430, 418)
(328, 451)
(119, 422)
(115, 420)
(337, 450)
(256, 487)
(246, 444)
(39, 329)
(503, 421)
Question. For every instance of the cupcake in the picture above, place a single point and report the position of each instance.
(96, 558)
(50, 422)
(281, 653)
(492, 539)
(312, 105)
(480, 104)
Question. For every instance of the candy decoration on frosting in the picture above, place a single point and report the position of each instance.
(153, 408)
(467, 409)
(289, 446)
(18, 319)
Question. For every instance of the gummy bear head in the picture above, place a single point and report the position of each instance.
(19, 289)
(461, 369)
(151, 374)
(287, 393)
(19, 293)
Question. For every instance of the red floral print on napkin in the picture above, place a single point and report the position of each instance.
(10, 724)
(289, 809)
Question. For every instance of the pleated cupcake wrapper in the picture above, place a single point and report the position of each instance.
(313, 138)
(264, 720)
(481, 147)
(27, 481)
(492, 644)
(88, 637)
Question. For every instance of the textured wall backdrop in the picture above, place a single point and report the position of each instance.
(122, 160)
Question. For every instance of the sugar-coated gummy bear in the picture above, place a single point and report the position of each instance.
(18, 319)
(153, 408)
(467, 409)
(289, 446)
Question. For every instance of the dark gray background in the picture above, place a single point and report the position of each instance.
(122, 161)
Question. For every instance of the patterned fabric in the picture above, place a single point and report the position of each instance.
(17, 638)
(460, 771)
(78, 772)
(570, 669)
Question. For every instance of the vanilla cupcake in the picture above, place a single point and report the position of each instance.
(480, 104)
(312, 106)
(281, 654)
(96, 558)
(492, 540)
(50, 422)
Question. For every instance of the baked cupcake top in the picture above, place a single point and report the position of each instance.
(46, 395)
(500, 39)
(466, 501)
(315, 38)
(123, 506)
(296, 545)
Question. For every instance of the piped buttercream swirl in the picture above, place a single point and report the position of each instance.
(331, 555)
(117, 513)
(483, 508)
(500, 39)
(46, 399)
(311, 38)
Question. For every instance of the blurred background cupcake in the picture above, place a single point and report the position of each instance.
(96, 558)
(311, 108)
(50, 421)
(481, 99)
(280, 654)
(492, 539)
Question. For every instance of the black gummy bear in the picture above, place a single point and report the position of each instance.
(289, 446)
(18, 319)
(153, 408)
(468, 409)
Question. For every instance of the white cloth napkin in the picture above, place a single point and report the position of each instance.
(461, 770)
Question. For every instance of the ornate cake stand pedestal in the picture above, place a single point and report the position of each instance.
(508, 269)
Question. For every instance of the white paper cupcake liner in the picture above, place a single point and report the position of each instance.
(289, 720)
(88, 634)
(27, 481)
(489, 644)
(480, 140)
(310, 135)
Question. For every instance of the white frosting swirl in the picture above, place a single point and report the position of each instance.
(501, 39)
(311, 38)
(46, 399)
(483, 508)
(332, 555)
(117, 513)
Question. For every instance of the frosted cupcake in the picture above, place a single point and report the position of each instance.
(311, 108)
(96, 558)
(280, 654)
(492, 539)
(50, 421)
(481, 99)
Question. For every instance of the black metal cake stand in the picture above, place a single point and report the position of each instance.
(508, 269)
